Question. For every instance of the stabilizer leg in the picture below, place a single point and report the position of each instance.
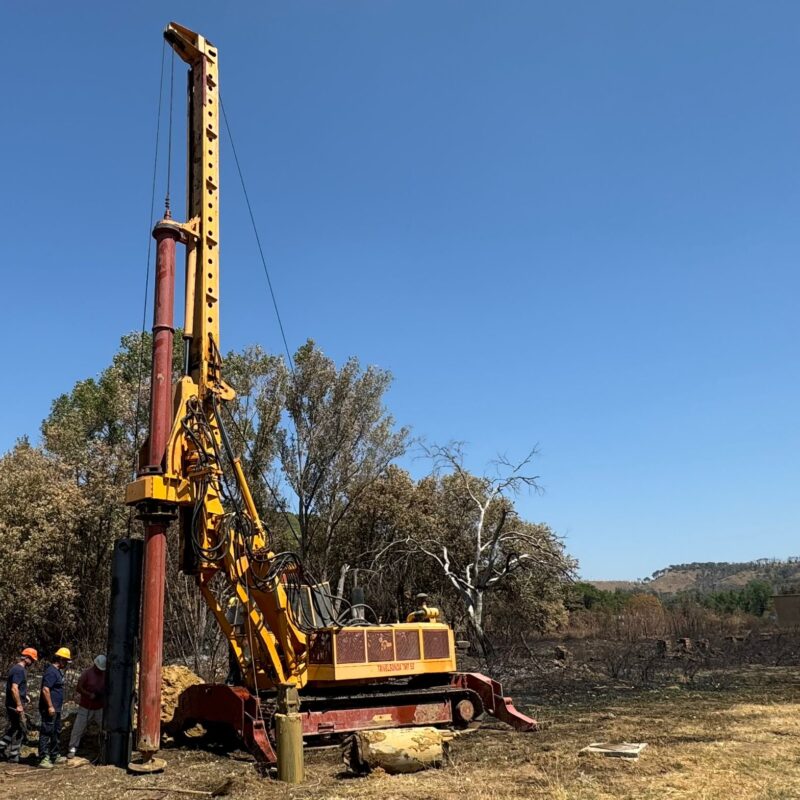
(494, 701)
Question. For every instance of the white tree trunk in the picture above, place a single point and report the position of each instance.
(337, 603)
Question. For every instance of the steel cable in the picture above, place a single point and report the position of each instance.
(258, 238)
(147, 271)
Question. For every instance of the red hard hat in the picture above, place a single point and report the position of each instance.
(31, 653)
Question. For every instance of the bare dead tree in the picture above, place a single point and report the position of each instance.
(492, 541)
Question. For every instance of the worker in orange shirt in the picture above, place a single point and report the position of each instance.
(91, 690)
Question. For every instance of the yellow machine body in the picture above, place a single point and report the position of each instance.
(380, 651)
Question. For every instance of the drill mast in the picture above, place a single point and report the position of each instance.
(189, 453)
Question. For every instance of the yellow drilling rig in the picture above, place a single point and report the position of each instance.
(290, 647)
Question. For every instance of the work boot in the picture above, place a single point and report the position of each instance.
(46, 763)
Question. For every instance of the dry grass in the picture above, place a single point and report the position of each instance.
(715, 742)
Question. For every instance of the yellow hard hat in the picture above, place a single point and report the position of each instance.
(63, 652)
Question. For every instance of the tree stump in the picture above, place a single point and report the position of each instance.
(561, 653)
(396, 750)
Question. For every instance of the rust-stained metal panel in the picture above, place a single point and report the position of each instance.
(436, 644)
(380, 646)
(350, 647)
(358, 719)
(406, 645)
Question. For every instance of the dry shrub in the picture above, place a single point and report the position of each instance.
(648, 618)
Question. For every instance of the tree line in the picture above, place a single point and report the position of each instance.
(320, 450)
(754, 598)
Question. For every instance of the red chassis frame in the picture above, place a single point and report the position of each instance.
(241, 711)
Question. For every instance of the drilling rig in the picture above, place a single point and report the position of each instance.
(336, 676)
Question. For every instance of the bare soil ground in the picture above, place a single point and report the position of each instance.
(732, 734)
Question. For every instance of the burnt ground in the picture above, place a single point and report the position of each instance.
(732, 733)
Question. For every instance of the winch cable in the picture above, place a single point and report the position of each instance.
(289, 360)
(169, 135)
(258, 238)
(279, 501)
(294, 574)
(286, 566)
(298, 566)
(147, 280)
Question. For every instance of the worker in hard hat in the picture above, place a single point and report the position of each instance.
(51, 701)
(91, 689)
(16, 698)
(423, 612)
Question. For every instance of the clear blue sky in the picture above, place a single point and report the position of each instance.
(571, 224)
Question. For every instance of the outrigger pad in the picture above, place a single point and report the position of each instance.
(147, 766)
(232, 705)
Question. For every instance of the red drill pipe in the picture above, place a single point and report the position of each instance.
(163, 332)
(155, 536)
(149, 715)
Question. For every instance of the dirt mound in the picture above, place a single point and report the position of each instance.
(174, 679)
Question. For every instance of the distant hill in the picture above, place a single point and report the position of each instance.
(612, 586)
(714, 575)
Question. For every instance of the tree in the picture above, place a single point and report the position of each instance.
(341, 440)
(482, 541)
(529, 601)
(92, 431)
(581, 595)
(42, 513)
(379, 542)
(756, 597)
(375, 541)
(253, 419)
(643, 615)
(320, 436)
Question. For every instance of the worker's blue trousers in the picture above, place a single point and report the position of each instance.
(14, 736)
(49, 735)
